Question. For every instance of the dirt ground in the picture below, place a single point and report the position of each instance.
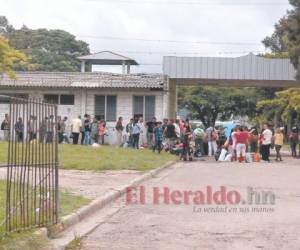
(212, 227)
(90, 184)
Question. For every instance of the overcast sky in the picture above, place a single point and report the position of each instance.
(197, 27)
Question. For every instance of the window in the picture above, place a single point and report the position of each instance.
(149, 107)
(5, 100)
(53, 99)
(144, 106)
(100, 107)
(59, 99)
(106, 108)
(67, 100)
(138, 106)
(111, 108)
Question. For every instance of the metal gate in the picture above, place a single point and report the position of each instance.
(32, 171)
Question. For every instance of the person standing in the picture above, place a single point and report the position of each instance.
(32, 128)
(50, 129)
(19, 128)
(212, 137)
(177, 128)
(63, 130)
(59, 130)
(82, 129)
(266, 143)
(142, 138)
(43, 130)
(165, 124)
(170, 134)
(136, 131)
(242, 138)
(293, 138)
(119, 128)
(129, 132)
(76, 129)
(101, 132)
(87, 130)
(278, 141)
(150, 135)
(253, 140)
(158, 137)
(198, 135)
(187, 136)
(94, 131)
(5, 127)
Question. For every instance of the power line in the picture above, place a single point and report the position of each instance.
(187, 53)
(206, 3)
(166, 41)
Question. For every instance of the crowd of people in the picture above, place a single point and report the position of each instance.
(175, 136)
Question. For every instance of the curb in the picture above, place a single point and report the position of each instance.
(110, 196)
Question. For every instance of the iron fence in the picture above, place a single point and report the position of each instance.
(32, 170)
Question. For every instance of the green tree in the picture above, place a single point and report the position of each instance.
(284, 108)
(286, 37)
(9, 57)
(5, 27)
(47, 50)
(211, 103)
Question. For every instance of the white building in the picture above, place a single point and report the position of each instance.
(103, 95)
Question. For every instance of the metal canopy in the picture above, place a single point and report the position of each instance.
(250, 70)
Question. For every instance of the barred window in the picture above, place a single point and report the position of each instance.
(144, 106)
(67, 100)
(106, 108)
(53, 99)
(4, 97)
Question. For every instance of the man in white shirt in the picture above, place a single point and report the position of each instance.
(177, 128)
(75, 128)
(266, 143)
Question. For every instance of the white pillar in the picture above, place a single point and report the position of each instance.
(128, 68)
(123, 67)
(82, 66)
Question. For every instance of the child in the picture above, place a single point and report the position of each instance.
(278, 139)
(158, 136)
(101, 132)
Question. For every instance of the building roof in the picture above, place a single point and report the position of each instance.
(84, 80)
(107, 58)
(249, 67)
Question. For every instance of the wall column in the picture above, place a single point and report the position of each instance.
(123, 67)
(128, 68)
(82, 66)
(172, 100)
(83, 101)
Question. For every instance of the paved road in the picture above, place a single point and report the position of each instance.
(170, 226)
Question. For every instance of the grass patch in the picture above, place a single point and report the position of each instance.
(110, 158)
(26, 239)
(3, 152)
(70, 202)
(103, 158)
(75, 244)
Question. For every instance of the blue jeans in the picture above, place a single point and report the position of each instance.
(87, 138)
